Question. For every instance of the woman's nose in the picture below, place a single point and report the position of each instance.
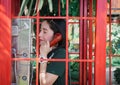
(40, 34)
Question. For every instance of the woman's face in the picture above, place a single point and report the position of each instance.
(46, 33)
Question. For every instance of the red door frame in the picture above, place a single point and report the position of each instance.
(100, 41)
(5, 42)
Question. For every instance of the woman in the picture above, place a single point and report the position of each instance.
(52, 73)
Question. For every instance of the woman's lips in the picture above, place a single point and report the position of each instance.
(41, 41)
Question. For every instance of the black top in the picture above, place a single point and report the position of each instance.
(57, 68)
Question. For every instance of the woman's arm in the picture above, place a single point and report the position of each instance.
(46, 78)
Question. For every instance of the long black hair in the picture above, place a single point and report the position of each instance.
(58, 26)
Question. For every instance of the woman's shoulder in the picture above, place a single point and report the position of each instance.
(61, 49)
(60, 52)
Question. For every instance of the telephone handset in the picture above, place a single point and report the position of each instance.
(56, 39)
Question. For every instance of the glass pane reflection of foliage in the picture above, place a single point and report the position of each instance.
(74, 67)
(73, 35)
(115, 39)
(115, 61)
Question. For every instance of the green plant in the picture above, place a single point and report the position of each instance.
(48, 7)
(31, 7)
(117, 75)
(115, 39)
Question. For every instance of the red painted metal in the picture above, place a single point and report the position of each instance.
(100, 43)
(37, 49)
(85, 43)
(100, 55)
(70, 60)
(90, 43)
(59, 7)
(56, 17)
(67, 18)
(5, 42)
(110, 44)
(81, 44)
(15, 5)
(37, 46)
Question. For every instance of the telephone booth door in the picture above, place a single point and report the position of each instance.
(90, 47)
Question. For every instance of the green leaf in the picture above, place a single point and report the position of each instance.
(63, 3)
(50, 5)
(30, 7)
(40, 5)
(24, 3)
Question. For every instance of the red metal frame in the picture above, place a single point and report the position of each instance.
(100, 41)
(90, 43)
(5, 42)
(110, 44)
(67, 14)
(81, 42)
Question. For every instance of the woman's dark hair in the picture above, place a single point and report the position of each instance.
(58, 26)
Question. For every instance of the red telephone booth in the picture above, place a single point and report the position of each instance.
(88, 38)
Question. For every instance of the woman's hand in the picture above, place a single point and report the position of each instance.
(45, 48)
